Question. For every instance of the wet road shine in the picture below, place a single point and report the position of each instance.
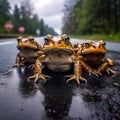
(56, 100)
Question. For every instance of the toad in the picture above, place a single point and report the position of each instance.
(29, 50)
(93, 54)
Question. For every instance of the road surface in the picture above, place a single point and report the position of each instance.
(56, 100)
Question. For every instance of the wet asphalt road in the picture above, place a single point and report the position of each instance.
(56, 100)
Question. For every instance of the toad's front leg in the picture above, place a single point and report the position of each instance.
(77, 72)
(19, 61)
(38, 70)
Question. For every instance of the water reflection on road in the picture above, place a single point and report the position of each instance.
(55, 100)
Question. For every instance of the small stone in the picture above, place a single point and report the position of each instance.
(21, 109)
(104, 96)
(116, 84)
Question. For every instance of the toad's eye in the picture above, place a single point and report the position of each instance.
(31, 39)
(104, 44)
(87, 44)
(101, 42)
(66, 39)
(47, 40)
(19, 39)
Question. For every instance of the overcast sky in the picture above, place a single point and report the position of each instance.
(49, 10)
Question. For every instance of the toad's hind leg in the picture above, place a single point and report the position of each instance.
(109, 70)
(106, 67)
(90, 70)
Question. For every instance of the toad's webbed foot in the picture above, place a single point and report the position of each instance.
(37, 76)
(109, 70)
(31, 66)
(75, 77)
(95, 72)
(18, 65)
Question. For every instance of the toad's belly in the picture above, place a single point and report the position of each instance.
(59, 68)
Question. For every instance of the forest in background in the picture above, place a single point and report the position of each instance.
(22, 16)
(81, 17)
(90, 17)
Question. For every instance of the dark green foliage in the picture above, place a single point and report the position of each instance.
(93, 17)
(16, 18)
(4, 13)
(68, 19)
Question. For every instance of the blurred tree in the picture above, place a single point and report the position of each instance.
(49, 30)
(42, 27)
(16, 18)
(78, 15)
(28, 7)
(4, 13)
(68, 19)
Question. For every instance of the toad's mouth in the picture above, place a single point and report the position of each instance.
(93, 51)
(26, 46)
(58, 50)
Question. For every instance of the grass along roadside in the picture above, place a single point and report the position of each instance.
(112, 38)
(10, 35)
